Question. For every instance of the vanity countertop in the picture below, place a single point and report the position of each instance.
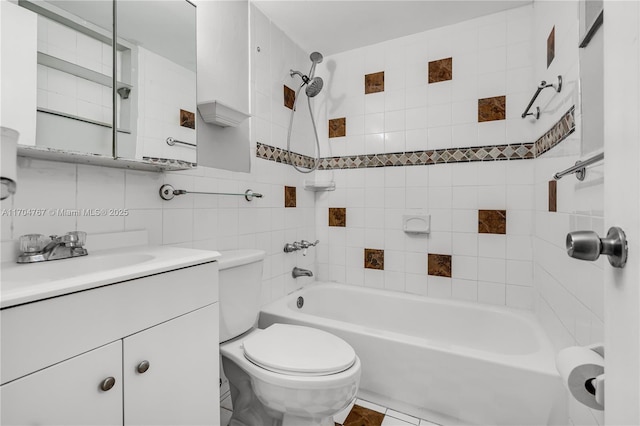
(24, 283)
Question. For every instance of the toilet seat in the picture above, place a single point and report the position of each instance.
(298, 351)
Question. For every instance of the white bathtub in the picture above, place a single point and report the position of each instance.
(446, 361)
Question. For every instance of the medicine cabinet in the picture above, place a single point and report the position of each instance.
(129, 103)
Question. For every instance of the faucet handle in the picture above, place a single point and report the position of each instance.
(75, 238)
(32, 243)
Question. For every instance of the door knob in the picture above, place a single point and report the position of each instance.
(587, 245)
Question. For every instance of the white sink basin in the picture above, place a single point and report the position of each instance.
(23, 283)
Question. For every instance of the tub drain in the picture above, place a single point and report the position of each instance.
(300, 302)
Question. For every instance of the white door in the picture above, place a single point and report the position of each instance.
(180, 386)
(68, 393)
(622, 208)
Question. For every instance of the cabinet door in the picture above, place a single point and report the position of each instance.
(180, 386)
(68, 393)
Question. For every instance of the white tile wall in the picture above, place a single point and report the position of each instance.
(491, 57)
(568, 293)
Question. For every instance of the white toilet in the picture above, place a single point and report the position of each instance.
(285, 374)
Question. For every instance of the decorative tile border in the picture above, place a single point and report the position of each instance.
(522, 151)
(279, 155)
(559, 132)
(435, 156)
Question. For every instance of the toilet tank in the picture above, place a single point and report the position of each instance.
(240, 282)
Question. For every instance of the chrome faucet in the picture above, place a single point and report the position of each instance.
(299, 272)
(38, 248)
(301, 245)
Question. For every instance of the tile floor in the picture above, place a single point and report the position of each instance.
(359, 413)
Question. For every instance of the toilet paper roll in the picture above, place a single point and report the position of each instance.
(577, 366)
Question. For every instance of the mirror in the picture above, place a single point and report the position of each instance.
(591, 58)
(74, 75)
(157, 101)
(155, 90)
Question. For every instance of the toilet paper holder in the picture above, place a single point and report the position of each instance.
(581, 369)
(595, 386)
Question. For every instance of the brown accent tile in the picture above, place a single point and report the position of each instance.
(374, 83)
(187, 119)
(360, 416)
(439, 265)
(289, 196)
(373, 259)
(337, 127)
(440, 70)
(289, 97)
(553, 196)
(551, 46)
(492, 221)
(337, 216)
(491, 109)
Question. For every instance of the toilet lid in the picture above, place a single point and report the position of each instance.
(297, 350)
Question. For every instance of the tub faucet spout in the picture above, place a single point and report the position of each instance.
(299, 272)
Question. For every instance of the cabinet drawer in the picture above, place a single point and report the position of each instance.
(40, 334)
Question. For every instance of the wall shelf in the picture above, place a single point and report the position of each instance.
(146, 164)
(215, 112)
(319, 186)
(78, 71)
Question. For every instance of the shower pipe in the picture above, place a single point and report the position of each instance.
(167, 192)
(580, 168)
(314, 86)
(543, 85)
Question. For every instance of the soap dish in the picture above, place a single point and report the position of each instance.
(416, 224)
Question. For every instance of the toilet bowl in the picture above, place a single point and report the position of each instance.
(285, 374)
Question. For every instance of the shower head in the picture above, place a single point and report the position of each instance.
(316, 57)
(314, 86)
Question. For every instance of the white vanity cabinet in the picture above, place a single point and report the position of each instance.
(180, 386)
(138, 352)
(68, 393)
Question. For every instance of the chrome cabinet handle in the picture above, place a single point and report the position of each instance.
(143, 367)
(107, 384)
(587, 245)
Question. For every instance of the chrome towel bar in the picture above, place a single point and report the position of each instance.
(167, 192)
(579, 168)
(543, 85)
(171, 142)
